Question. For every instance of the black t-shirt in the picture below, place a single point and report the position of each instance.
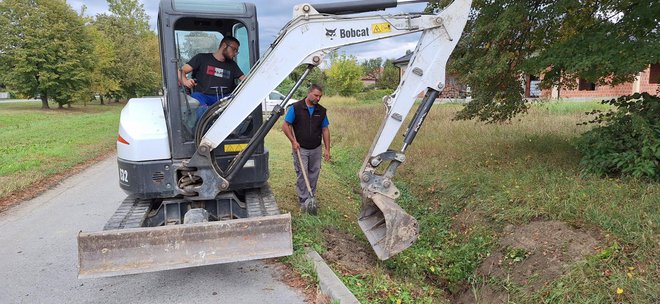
(210, 72)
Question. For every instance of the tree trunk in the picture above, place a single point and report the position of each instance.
(44, 102)
(101, 99)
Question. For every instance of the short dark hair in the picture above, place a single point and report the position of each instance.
(229, 39)
(315, 86)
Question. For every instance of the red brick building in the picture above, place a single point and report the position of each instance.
(647, 81)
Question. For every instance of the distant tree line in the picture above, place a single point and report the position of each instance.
(345, 74)
(50, 51)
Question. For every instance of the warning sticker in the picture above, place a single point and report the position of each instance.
(380, 28)
(235, 147)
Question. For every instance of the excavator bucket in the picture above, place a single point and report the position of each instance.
(138, 250)
(388, 228)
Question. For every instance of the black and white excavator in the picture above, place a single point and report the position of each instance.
(198, 189)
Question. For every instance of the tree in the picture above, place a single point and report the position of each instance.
(127, 27)
(103, 82)
(390, 77)
(45, 50)
(606, 42)
(371, 67)
(344, 76)
(315, 76)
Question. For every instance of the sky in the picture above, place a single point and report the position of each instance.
(272, 15)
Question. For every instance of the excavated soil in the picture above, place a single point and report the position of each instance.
(530, 256)
(350, 255)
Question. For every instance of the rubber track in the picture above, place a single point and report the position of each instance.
(261, 202)
(130, 214)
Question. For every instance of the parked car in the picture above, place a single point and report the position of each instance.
(274, 98)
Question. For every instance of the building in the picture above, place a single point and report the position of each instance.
(647, 81)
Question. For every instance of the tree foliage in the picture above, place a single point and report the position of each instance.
(127, 29)
(103, 81)
(45, 50)
(390, 77)
(343, 76)
(606, 42)
(315, 76)
(371, 67)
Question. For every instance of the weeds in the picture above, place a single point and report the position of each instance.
(465, 181)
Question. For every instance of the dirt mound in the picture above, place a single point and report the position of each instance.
(530, 256)
(351, 255)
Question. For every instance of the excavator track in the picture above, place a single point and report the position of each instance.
(131, 214)
(261, 202)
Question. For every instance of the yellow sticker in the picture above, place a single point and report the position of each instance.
(235, 147)
(380, 28)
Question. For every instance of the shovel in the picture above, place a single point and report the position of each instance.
(309, 205)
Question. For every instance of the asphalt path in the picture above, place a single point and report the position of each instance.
(38, 256)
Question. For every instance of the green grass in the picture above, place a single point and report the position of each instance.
(508, 173)
(39, 143)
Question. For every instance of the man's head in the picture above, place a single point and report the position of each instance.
(314, 94)
(229, 47)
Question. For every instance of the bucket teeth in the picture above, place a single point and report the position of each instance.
(388, 228)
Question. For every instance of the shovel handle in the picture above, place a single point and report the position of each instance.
(304, 172)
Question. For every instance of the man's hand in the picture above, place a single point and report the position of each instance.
(189, 83)
(326, 154)
(295, 146)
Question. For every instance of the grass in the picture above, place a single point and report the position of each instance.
(40, 143)
(510, 174)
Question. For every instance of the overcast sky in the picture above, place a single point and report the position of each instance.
(274, 14)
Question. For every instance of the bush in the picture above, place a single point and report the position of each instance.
(627, 140)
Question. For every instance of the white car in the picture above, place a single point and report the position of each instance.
(274, 98)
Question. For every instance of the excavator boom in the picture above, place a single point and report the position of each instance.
(306, 40)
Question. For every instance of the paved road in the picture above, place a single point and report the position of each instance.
(38, 256)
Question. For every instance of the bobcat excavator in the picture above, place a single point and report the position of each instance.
(198, 189)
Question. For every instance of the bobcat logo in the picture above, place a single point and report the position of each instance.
(330, 33)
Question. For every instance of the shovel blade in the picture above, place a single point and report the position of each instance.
(138, 250)
(309, 206)
(388, 228)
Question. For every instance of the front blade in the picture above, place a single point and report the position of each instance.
(388, 228)
(138, 250)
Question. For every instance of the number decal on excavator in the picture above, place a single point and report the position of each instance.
(123, 175)
(380, 28)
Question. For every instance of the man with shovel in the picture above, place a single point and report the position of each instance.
(305, 124)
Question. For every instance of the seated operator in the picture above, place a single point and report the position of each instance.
(213, 74)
